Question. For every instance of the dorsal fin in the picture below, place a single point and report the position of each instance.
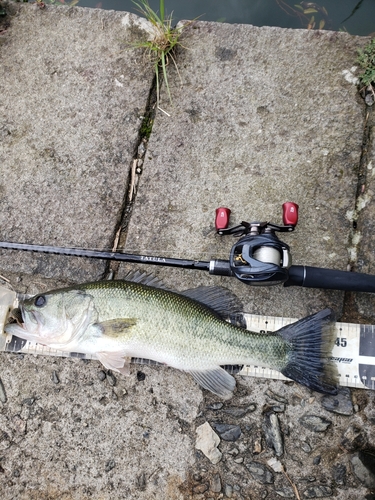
(218, 298)
(146, 279)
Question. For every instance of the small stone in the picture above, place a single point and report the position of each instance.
(227, 432)
(341, 403)
(228, 490)
(275, 464)
(363, 464)
(369, 97)
(339, 474)
(215, 406)
(197, 477)
(286, 492)
(280, 408)
(275, 396)
(315, 423)
(216, 483)
(233, 451)
(354, 439)
(101, 375)
(306, 447)
(111, 378)
(257, 447)
(317, 460)
(260, 472)
(200, 488)
(207, 442)
(55, 378)
(19, 425)
(141, 150)
(111, 464)
(141, 481)
(3, 396)
(271, 428)
(318, 491)
(28, 401)
(239, 412)
(238, 460)
(277, 408)
(140, 376)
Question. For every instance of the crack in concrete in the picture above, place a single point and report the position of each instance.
(363, 197)
(134, 173)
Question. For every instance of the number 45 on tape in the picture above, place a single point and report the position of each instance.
(353, 352)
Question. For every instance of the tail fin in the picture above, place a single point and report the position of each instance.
(311, 341)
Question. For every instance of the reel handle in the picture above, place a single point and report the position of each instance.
(290, 213)
(222, 218)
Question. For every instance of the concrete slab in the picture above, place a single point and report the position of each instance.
(72, 99)
(264, 115)
(260, 116)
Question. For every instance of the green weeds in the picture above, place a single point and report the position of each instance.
(366, 60)
(162, 44)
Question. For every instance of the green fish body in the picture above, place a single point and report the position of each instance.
(120, 320)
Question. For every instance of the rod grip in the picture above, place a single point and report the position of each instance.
(330, 279)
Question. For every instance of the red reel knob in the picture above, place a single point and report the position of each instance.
(222, 218)
(290, 213)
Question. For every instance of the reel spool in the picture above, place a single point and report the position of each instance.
(260, 258)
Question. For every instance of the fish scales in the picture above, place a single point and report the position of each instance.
(186, 329)
(120, 320)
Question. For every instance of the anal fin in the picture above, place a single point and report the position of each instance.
(116, 361)
(216, 380)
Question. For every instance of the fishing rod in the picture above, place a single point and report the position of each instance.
(258, 258)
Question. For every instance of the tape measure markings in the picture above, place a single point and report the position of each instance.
(352, 342)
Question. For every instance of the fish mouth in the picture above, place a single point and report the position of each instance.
(27, 323)
(16, 314)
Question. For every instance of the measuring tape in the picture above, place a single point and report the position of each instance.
(353, 353)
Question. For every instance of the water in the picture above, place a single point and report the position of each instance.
(282, 13)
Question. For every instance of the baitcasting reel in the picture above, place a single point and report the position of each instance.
(259, 257)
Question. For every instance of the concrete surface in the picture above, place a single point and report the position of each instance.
(72, 100)
(259, 116)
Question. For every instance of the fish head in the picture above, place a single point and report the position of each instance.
(55, 318)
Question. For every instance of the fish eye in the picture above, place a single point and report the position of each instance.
(40, 301)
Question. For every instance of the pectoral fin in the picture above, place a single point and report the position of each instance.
(116, 361)
(216, 380)
(118, 326)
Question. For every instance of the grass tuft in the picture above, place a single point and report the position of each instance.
(366, 60)
(162, 44)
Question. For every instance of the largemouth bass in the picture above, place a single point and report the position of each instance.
(120, 320)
